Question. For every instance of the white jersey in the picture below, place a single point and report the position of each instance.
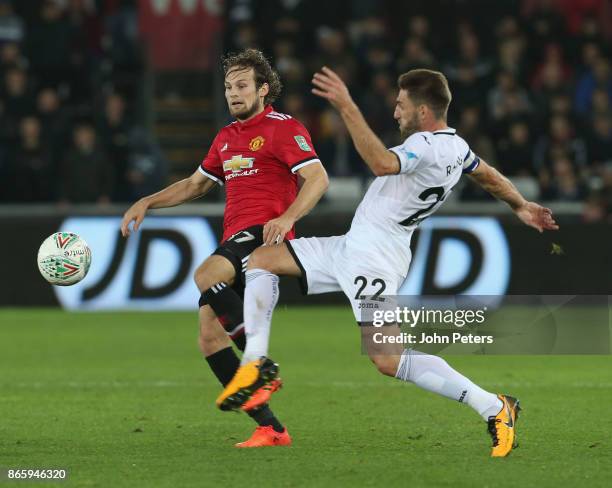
(431, 164)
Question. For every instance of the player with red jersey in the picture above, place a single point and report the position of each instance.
(252, 159)
(258, 158)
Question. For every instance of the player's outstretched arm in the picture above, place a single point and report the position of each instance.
(329, 85)
(180, 192)
(314, 186)
(500, 187)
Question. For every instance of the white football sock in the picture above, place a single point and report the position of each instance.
(434, 374)
(260, 298)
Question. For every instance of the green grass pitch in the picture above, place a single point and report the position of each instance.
(125, 399)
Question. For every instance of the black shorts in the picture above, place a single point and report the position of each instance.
(237, 250)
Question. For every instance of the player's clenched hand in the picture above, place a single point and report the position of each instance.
(330, 86)
(135, 213)
(275, 230)
(536, 216)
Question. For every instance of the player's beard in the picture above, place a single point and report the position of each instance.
(248, 112)
(411, 127)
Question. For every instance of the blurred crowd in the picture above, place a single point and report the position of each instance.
(70, 130)
(531, 83)
(531, 80)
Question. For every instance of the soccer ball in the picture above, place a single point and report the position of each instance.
(64, 259)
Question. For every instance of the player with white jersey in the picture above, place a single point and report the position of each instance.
(430, 165)
(372, 259)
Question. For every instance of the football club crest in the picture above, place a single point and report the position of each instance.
(256, 143)
(301, 141)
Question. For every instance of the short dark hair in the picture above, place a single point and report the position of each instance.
(264, 73)
(428, 87)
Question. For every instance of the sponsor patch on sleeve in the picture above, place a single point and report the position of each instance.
(301, 141)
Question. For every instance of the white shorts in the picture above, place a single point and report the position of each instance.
(329, 265)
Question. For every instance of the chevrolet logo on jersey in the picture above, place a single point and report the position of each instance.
(238, 163)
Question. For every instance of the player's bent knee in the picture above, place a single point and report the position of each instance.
(386, 365)
(275, 259)
(198, 277)
(261, 259)
(212, 271)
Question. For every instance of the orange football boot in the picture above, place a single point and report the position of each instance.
(266, 436)
(248, 379)
(502, 427)
(263, 395)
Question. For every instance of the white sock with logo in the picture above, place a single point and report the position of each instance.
(434, 374)
(260, 298)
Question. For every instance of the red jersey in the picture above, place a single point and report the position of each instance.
(257, 161)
